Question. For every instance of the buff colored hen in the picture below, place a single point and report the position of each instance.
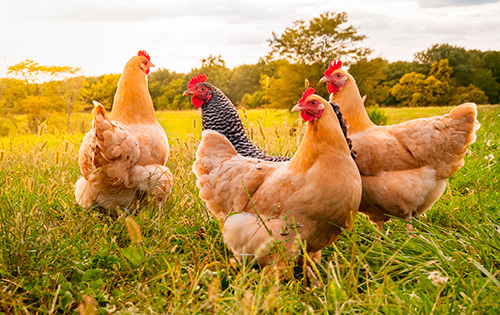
(122, 157)
(403, 167)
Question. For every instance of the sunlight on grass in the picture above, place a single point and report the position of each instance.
(56, 256)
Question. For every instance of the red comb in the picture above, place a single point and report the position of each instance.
(333, 66)
(306, 94)
(144, 53)
(198, 78)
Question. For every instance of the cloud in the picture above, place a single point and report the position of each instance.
(225, 10)
(451, 3)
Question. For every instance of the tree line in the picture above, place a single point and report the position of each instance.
(440, 75)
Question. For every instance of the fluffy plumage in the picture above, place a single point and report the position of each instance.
(403, 166)
(123, 156)
(318, 190)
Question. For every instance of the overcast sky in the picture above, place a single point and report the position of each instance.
(100, 36)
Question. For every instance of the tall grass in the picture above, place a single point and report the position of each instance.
(53, 253)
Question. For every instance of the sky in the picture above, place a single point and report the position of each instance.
(100, 36)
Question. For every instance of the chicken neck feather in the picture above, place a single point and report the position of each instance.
(353, 108)
(133, 103)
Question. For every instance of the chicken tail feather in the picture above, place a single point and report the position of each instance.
(466, 121)
(463, 126)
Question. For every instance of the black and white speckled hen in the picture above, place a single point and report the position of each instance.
(219, 114)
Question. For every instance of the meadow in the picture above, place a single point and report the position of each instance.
(58, 258)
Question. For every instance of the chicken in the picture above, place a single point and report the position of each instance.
(316, 193)
(403, 167)
(218, 113)
(123, 156)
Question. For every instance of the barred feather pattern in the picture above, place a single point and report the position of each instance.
(219, 114)
(345, 127)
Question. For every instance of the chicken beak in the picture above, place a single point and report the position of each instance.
(151, 65)
(187, 93)
(296, 108)
(323, 80)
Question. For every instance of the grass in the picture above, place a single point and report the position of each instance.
(53, 253)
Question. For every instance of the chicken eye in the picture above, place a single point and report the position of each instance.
(314, 102)
(338, 75)
(202, 89)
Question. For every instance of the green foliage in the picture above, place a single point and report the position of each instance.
(441, 87)
(217, 72)
(491, 60)
(409, 90)
(484, 80)
(286, 88)
(470, 93)
(461, 61)
(254, 100)
(101, 89)
(164, 86)
(469, 66)
(53, 253)
(414, 89)
(6, 127)
(377, 115)
(319, 41)
(171, 96)
(246, 79)
(370, 76)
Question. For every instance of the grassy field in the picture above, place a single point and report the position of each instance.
(54, 254)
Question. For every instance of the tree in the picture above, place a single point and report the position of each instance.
(38, 109)
(13, 93)
(415, 89)
(409, 89)
(102, 90)
(481, 69)
(217, 72)
(164, 82)
(4, 125)
(469, 93)
(491, 60)
(440, 88)
(70, 91)
(33, 74)
(483, 79)
(319, 41)
(246, 79)
(253, 100)
(460, 60)
(3, 85)
(369, 76)
(171, 95)
(286, 88)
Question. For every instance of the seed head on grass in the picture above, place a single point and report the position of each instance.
(261, 128)
(133, 229)
(243, 110)
(44, 145)
(213, 290)
(272, 297)
(88, 306)
(247, 303)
